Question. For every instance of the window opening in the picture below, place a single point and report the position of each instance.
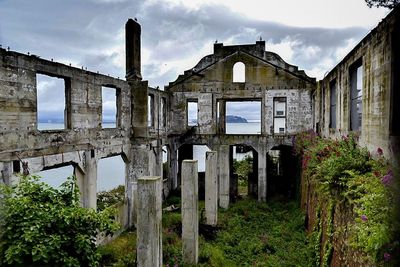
(51, 102)
(192, 113)
(243, 117)
(280, 115)
(239, 72)
(332, 118)
(109, 107)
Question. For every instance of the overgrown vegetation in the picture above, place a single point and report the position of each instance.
(44, 226)
(243, 168)
(344, 173)
(249, 234)
(110, 198)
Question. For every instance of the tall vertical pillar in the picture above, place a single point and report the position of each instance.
(137, 166)
(222, 118)
(132, 50)
(190, 212)
(262, 174)
(223, 163)
(173, 167)
(211, 194)
(6, 172)
(149, 222)
(90, 183)
(80, 181)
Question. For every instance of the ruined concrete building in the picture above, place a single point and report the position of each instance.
(359, 95)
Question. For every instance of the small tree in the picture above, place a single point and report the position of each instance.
(382, 3)
(43, 226)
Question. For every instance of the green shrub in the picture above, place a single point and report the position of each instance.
(43, 226)
(110, 198)
(343, 172)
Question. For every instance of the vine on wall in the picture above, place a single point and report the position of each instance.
(343, 172)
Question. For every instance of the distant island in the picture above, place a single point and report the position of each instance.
(235, 119)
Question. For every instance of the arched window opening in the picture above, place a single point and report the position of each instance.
(239, 72)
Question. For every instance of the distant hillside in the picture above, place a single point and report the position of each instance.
(235, 119)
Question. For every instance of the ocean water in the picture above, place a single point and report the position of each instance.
(111, 171)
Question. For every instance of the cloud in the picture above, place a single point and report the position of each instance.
(174, 36)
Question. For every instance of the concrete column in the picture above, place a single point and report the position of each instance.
(173, 167)
(149, 222)
(190, 212)
(80, 181)
(211, 198)
(262, 174)
(6, 172)
(90, 184)
(223, 163)
(137, 166)
(222, 119)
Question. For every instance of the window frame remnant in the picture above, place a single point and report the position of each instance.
(279, 115)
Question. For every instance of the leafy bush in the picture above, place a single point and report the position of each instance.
(110, 198)
(346, 173)
(243, 168)
(43, 226)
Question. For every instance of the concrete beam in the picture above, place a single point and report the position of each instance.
(190, 212)
(149, 222)
(211, 192)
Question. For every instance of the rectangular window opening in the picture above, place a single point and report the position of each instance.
(192, 113)
(395, 110)
(109, 107)
(51, 102)
(356, 83)
(163, 112)
(280, 115)
(243, 117)
(332, 118)
(150, 110)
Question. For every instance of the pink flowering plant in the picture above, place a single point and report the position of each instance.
(343, 171)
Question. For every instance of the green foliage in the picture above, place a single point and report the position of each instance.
(345, 173)
(259, 234)
(110, 198)
(120, 252)
(251, 234)
(43, 226)
(243, 168)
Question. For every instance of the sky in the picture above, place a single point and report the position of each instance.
(314, 35)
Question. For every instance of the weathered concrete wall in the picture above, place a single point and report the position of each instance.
(375, 52)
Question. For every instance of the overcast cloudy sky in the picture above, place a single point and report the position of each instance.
(176, 34)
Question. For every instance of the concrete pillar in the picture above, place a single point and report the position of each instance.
(80, 181)
(222, 119)
(190, 212)
(137, 166)
(173, 167)
(185, 152)
(6, 172)
(211, 194)
(223, 163)
(262, 174)
(149, 222)
(90, 183)
(132, 50)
